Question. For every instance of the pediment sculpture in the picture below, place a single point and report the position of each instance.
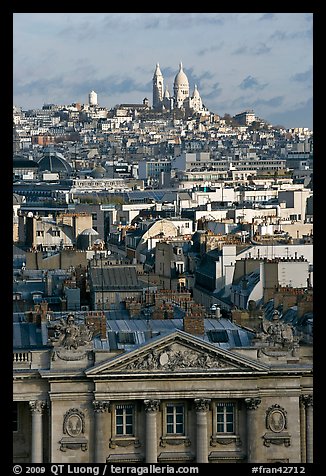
(175, 357)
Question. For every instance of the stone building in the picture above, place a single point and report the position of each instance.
(181, 98)
(175, 397)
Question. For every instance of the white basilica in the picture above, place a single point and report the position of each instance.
(181, 99)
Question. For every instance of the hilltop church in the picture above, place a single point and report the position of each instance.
(181, 99)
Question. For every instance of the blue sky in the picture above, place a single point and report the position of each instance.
(259, 61)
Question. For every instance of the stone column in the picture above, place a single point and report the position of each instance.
(37, 407)
(151, 409)
(303, 430)
(202, 407)
(100, 407)
(308, 401)
(252, 437)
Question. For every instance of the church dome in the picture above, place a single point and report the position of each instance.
(88, 232)
(181, 79)
(166, 93)
(54, 162)
(196, 93)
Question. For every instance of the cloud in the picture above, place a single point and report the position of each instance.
(57, 87)
(41, 86)
(267, 16)
(240, 51)
(291, 35)
(306, 76)
(260, 49)
(215, 91)
(84, 30)
(300, 116)
(251, 83)
(273, 102)
(191, 20)
(211, 49)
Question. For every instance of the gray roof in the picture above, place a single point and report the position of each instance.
(54, 162)
(28, 287)
(128, 334)
(115, 278)
(24, 164)
(18, 251)
(29, 335)
(89, 231)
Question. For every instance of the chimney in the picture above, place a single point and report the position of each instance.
(193, 323)
(38, 314)
(98, 321)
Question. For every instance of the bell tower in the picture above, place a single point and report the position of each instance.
(158, 88)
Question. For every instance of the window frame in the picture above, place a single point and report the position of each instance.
(174, 422)
(174, 438)
(118, 439)
(225, 423)
(224, 437)
(125, 424)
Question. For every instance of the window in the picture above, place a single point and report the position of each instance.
(124, 419)
(225, 417)
(179, 267)
(15, 417)
(39, 233)
(175, 419)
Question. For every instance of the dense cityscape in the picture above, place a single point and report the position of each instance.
(162, 283)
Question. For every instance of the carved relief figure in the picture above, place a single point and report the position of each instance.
(173, 359)
(70, 335)
(276, 336)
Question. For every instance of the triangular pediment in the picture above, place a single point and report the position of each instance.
(177, 352)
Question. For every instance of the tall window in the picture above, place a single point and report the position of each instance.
(225, 417)
(124, 419)
(175, 419)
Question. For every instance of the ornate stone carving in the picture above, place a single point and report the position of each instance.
(78, 443)
(276, 337)
(124, 442)
(307, 400)
(172, 358)
(202, 404)
(225, 440)
(174, 440)
(276, 420)
(101, 406)
(152, 405)
(280, 439)
(252, 403)
(74, 427)
(37, 406)
(71, 336)
(74, 422)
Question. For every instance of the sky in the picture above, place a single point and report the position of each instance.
(239, 61)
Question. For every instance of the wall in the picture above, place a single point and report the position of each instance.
(61, 260)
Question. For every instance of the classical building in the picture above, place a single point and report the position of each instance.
(178, 395)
